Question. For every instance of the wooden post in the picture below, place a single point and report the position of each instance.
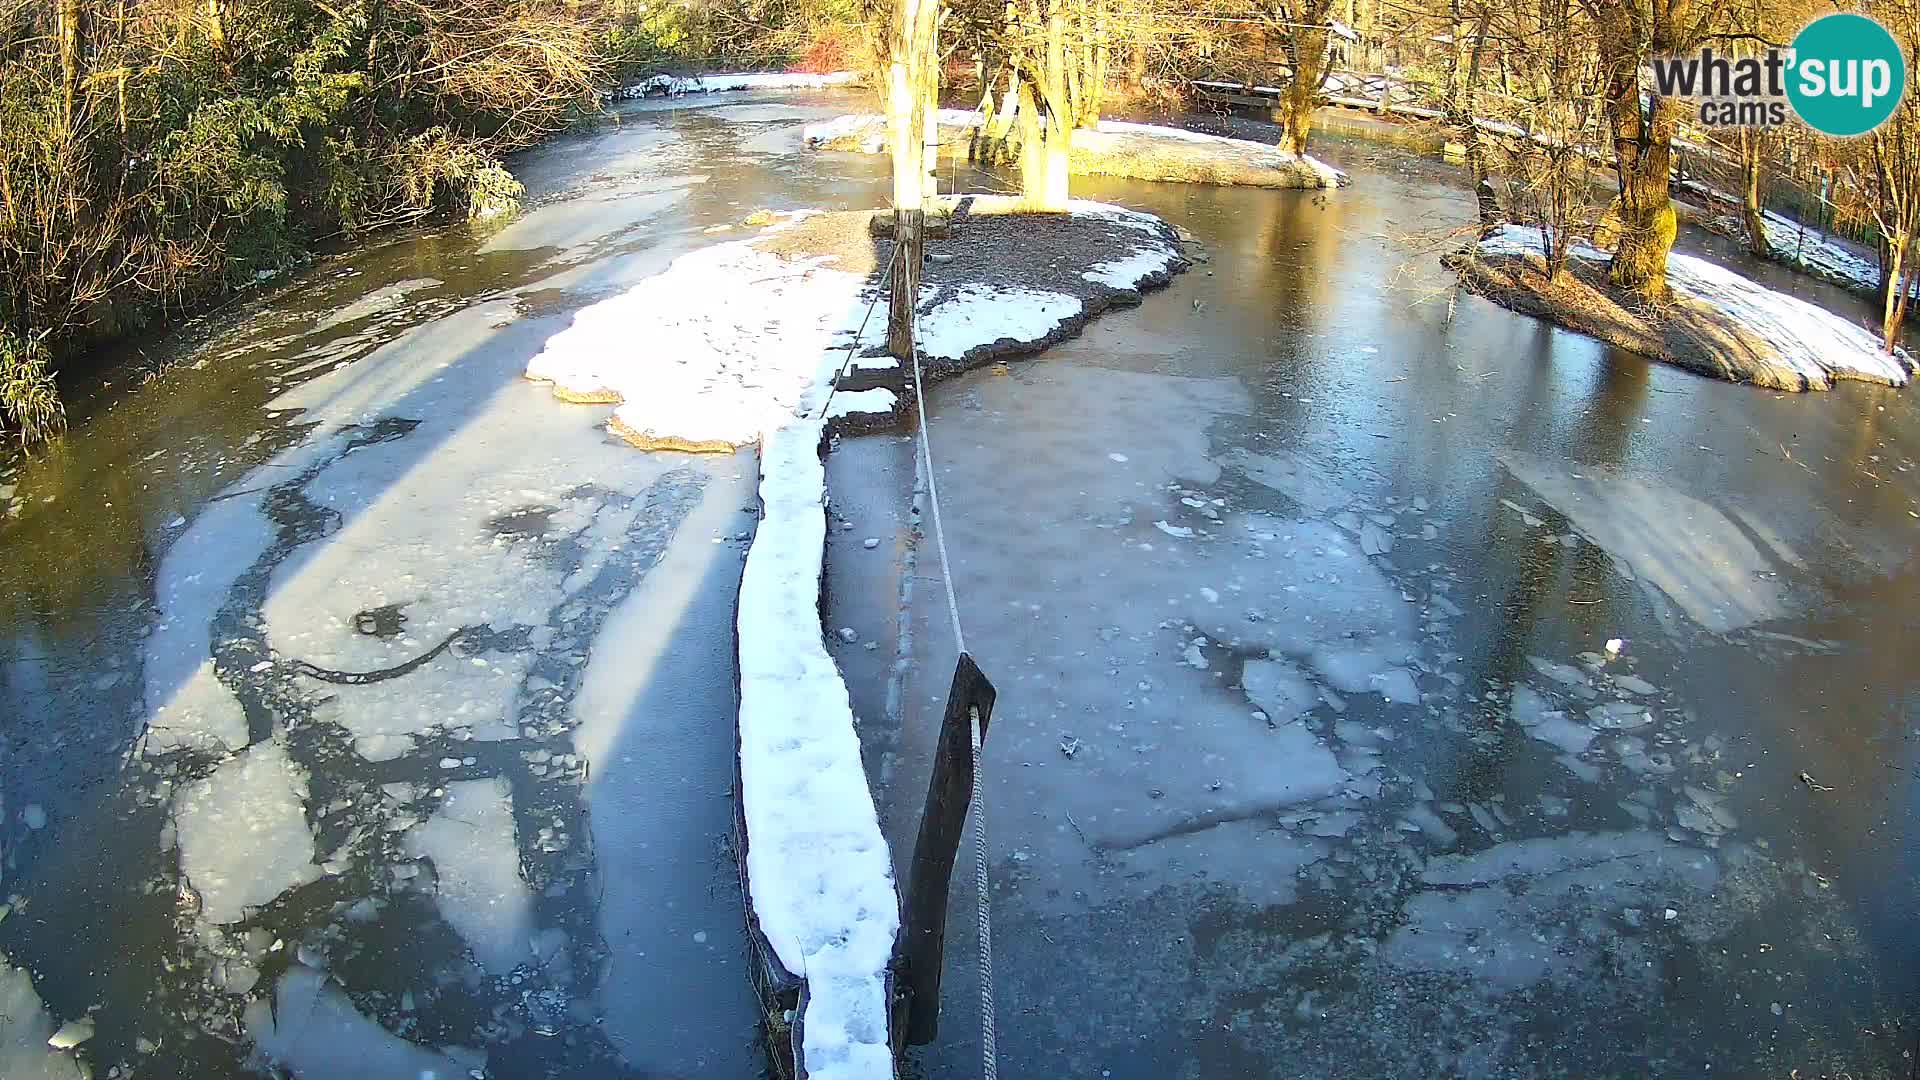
(914, 57)
(908, 251)
(949, 795)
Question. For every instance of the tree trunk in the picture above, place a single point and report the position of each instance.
(67, 25)
(1894, 311)
(1751, 210)
(1642, 155)
(1033, 155)
(217, 27)
(907, 75)
(1306, 48)
(1463, 103)
(930, 123)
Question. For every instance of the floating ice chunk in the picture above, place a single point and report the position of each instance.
(1556, 730)
(25, 1028)
(243, 833)
(1362, 671)
(1178, 532)
(1620, 716)
(311, 1027)
(1564, 674)
(1529, 706)
(1692, 552)
(471, 841)
(1279, 689)
(1422, 817)
(34, 816)
(1396, 685)
(1633, 684)
(72, 1034)
(1302, 479)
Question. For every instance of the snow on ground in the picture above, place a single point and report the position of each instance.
(675, 85)
(1818, 254)
(715, 372)
(977, 315)
(1112, 138)
(1812, 341)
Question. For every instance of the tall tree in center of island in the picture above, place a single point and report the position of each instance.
(1628, 34)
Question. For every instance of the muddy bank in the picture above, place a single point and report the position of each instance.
(1116, 148)
(1715, 322)
(1052, 274)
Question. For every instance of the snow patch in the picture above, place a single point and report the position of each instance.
(1812, 341)
(977, 315)
(676, 85)
(876, 402)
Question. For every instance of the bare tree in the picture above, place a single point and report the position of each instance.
(1885, 167)
(1627, 33)
(1305, 32)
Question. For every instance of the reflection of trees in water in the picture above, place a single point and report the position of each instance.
(356, 920)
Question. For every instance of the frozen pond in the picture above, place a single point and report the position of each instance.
(1312, 756)
(367, 710)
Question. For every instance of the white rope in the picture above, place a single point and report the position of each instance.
(989, 1064)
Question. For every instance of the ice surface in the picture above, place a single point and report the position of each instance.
(1811, 340)
(379, 300)
(24, 1028)
(310, 1026)
(1694, 554)
(1294, 475)
(1512, 914)
(481, 893)
(718, 372)
(243, 833)
(186, 703)
(1279, 689)
(758, 80)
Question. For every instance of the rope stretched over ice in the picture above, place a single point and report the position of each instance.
(989, 1066)
(885, 276)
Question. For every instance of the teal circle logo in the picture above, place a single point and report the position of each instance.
(1847, 74)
